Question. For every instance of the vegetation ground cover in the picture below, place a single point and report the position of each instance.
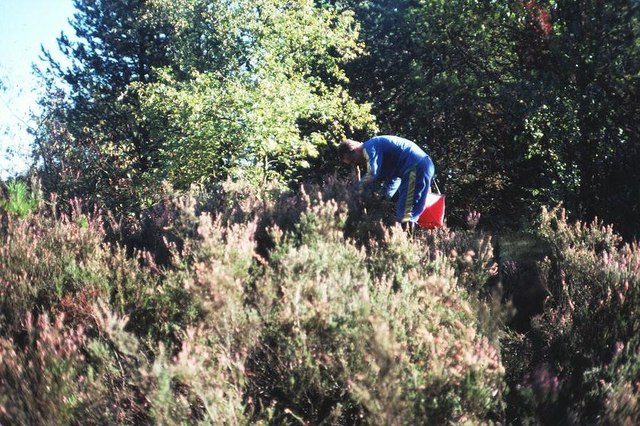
(301, 307)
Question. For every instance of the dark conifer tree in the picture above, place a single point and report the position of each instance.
(116, 44)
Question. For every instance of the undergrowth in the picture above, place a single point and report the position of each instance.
(230, 305)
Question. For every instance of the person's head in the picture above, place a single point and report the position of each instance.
(350, 152)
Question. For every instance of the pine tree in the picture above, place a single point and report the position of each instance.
(116, 43)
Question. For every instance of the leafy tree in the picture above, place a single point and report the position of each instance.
(90, 141)
(581, 130)
(116, 42)
(194, 91)
(597, 59)
(258, 90)
(521, 103)
(445, 74)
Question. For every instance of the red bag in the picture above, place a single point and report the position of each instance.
(433, 214)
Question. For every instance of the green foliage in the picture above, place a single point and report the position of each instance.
(116, 43)
(452, 87)
(90, 142)
(200, 91)
(522, 104)
(261, 103)
(20, 201)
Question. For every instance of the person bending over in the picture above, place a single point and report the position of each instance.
(400, 164)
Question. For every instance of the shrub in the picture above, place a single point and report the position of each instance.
(45, 259)
(41, 374)
(345, 345)
(577, 370)
(249, 307)
(19, 201)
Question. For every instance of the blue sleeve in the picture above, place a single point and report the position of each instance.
(391, 186)
(373, 166)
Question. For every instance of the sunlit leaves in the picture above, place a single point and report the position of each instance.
(256, 88)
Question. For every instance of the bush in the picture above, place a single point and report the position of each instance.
(41, 380)
(19, 201)
(349, 342)
(250, 307)
(581, 356)
(46, 259)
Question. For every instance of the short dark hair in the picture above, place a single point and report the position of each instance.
(347, 146)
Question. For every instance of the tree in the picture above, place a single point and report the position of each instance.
(258, 89)
(196, 91)
(597, 53)
(583, 130)
(117, 42)
(446, 75)
(521, 103)
(90, 129)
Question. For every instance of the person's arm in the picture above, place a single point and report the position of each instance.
(391, 186)
(373, 161)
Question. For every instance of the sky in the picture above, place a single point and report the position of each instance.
(25, 25)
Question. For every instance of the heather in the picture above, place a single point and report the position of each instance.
(579, 362)
(265, 311)
(239, 306)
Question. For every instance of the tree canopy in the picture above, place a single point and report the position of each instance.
(256, 88)
(196, 91)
